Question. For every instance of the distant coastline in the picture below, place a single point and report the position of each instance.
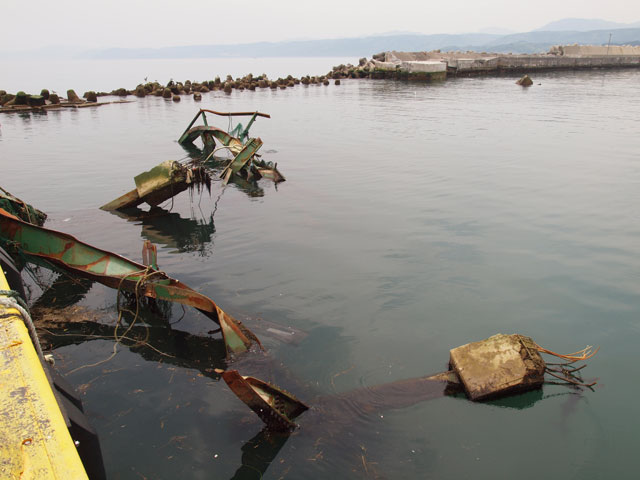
(410, 66)
(537, 41)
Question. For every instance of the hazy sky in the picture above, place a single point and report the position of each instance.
(134, 23)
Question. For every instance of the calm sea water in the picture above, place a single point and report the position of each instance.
(415, 218)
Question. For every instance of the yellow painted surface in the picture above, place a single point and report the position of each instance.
(34, 440)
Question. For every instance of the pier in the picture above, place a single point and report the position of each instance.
(436, 65)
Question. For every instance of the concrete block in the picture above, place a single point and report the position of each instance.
(499, 365)
(429, 66)
(385, 66)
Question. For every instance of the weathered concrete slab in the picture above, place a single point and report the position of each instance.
(385, 66)
(595, 50)
(427, 66)
(499, 365)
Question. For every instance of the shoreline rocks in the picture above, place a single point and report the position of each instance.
(174, 90)
(412, 66)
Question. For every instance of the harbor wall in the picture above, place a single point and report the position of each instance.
(532, 63)
(438, 65)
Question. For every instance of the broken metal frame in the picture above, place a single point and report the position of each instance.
(275, 407)
(162, 182)
(64, 251)
(238, 132)
(234, 140)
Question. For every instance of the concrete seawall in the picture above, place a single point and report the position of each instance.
(432, 66)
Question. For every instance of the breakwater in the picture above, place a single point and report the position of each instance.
(437, 65)
(409, 66)
(173, 90)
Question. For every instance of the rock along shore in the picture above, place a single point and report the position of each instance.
(413, 66)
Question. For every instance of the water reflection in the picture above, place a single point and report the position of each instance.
(169, 229)
(258, 454)
(155, 343)
(334, 420)
(63, 292)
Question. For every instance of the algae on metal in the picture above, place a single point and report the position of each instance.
(56, 249)
(20, 209)
(161, 183)
(243, 167)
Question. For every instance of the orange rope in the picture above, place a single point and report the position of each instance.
(584, 354)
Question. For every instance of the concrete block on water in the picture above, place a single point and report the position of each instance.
(497, 366)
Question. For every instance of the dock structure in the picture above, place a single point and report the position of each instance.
(34, 440)
(437, 65)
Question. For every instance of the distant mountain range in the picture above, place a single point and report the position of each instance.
(585, 25)
(530, 42)
(566, 31)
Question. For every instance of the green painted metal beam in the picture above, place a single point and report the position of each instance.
(66, 252)
(241, 159)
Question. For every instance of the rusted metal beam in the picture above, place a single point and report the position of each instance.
(162, 182)
(241, 159)
(66, 252)
(235, 114)
(276, 407)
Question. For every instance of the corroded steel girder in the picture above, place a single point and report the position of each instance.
(65, 251)
(275, 407)
(241, 159)
(227, 138)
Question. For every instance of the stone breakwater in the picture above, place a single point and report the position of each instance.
(437, 65)
(413, 66)
(22, 101)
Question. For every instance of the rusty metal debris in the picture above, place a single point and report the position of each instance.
(20, 209)
(161, 183)
(246, 164)
(169, 178)
(275, 407)
(56, 249)
(496, 367)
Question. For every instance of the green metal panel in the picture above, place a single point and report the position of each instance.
(158, 177)
(52, 248)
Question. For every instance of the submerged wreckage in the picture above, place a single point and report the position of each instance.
(171, 177)
(499, 366)
(248, 166)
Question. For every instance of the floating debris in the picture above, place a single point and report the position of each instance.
(161, 183)
(525, 81)
(20, 209)
(498, 366)
(246, 164)
(276, 407)
(53, 249)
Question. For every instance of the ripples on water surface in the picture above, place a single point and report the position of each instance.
(414, 219)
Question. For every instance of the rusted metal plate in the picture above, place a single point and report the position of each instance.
(276, 407)
(128, 200)
(191, 132)
(22, 210)
(497, 366)
(241, 159)
(65, 251)
(271, 174)
(160, 176)
(161, 183)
